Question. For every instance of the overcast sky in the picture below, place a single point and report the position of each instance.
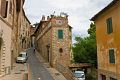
(79, 11)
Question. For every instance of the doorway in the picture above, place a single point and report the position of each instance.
(48, 52)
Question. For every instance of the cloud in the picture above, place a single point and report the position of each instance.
(65, 4)
(79, 11)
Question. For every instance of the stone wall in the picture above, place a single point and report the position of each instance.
(48, 43)
(64, 44)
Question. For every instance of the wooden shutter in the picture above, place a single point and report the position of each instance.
(3, 8)
(110, 23)
(111, 56)
(109, 26)
(60, 34)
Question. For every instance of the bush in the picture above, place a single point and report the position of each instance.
(89, 77)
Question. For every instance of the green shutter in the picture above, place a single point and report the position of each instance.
(111, 56)
(109, 26)
(60, 34)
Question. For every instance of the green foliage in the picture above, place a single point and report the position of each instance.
(89, 77)
(84, 50)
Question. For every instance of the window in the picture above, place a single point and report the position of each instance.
(103, 77)
(61, 50)
(60, 34)
(70, 28)
(111, 56)
(4, 7)
(18, 5)
(109, 25)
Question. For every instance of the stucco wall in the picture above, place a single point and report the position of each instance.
(107, 41)
(6, 55)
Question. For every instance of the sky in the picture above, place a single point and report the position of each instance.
(80, 11)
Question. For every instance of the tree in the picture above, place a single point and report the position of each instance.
(84, 50)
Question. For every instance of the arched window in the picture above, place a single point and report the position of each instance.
(61, 50)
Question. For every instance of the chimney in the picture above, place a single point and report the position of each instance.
(48, 18)
(43, 18)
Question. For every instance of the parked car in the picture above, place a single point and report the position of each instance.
(22, 57)
(79, 75)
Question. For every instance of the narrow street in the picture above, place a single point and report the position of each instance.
(39, 72)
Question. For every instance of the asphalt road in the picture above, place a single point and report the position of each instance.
(38, 71)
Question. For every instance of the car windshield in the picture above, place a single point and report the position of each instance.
(79, 75)
(22, 55)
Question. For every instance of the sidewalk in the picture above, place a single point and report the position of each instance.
(54, 73)
(19, 72)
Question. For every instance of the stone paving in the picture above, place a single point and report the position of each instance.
(19, 72)
(37, 68)
(54, 73)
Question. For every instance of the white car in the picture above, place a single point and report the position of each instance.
(22, 57)
(79, 75)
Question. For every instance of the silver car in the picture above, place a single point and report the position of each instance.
(80, 75)
(22, 57)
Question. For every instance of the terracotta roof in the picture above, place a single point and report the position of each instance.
(104, 9)
(41, 22)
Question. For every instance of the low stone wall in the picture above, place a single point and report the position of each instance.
(65, 72)
(108, 75)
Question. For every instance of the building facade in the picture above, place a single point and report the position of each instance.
(11, 16)
(54, 39)
(32, 36)
(5, 36)
(108, 41)
(24, 32)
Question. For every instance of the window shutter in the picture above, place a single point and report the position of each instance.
(3, 8)
(109, 25)
(111, 56)
(60, 34)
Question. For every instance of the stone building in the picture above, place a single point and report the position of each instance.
(24, 32)
(11, 14)
(32, 37)
(54, 39)
(108, 41)
(5, 36)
